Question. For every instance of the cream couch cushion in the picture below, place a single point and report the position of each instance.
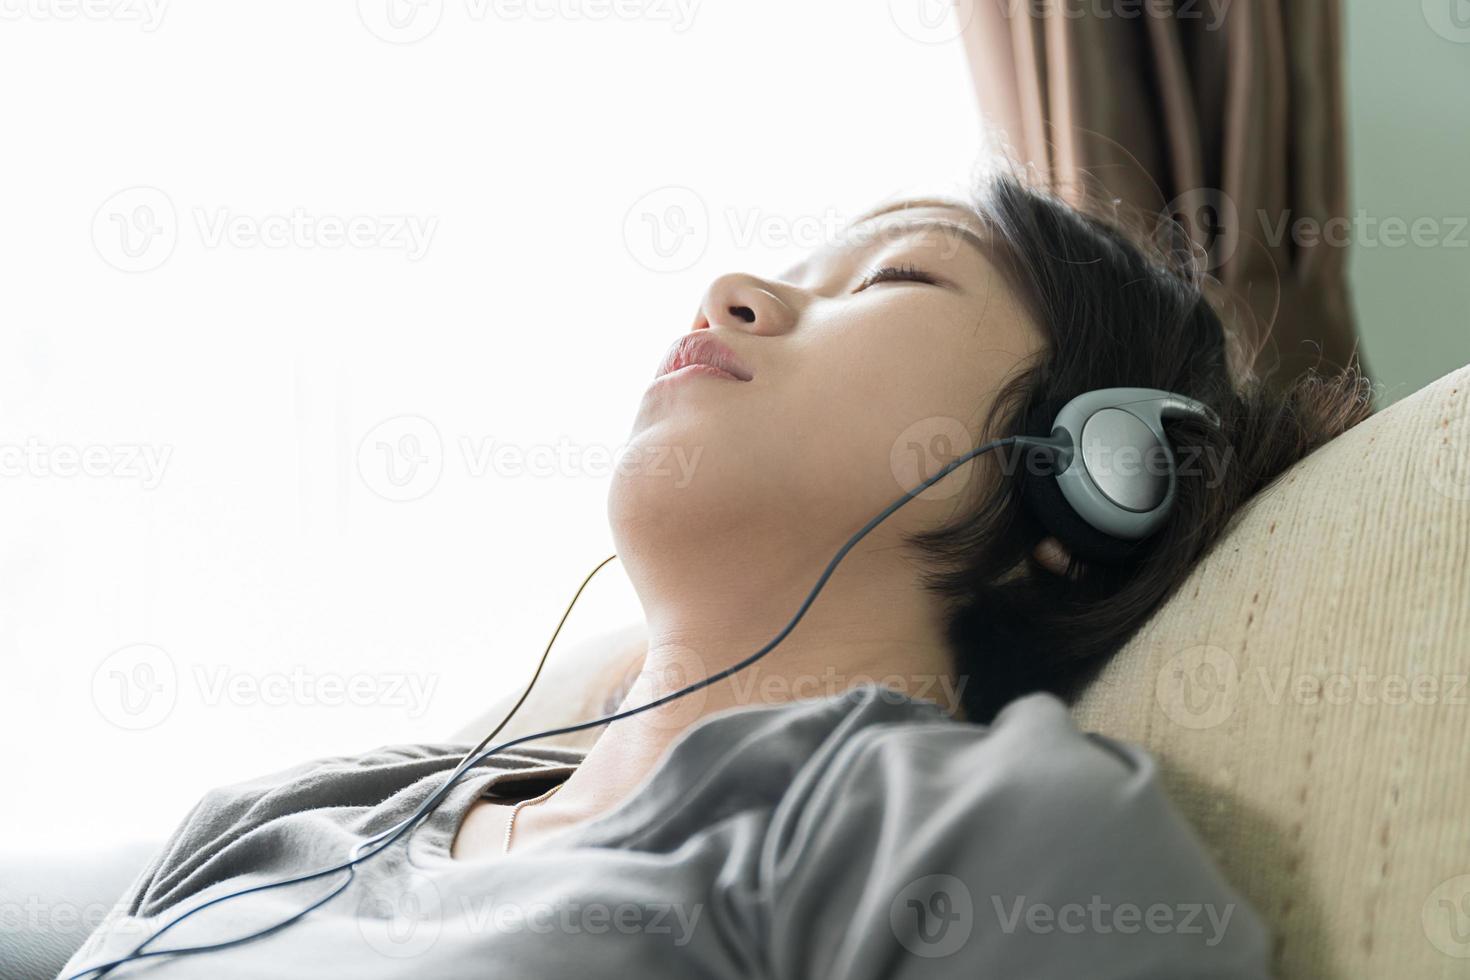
(1306, 695)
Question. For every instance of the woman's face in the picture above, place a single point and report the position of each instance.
(857, 374)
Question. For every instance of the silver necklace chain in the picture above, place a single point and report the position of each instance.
(510, 824)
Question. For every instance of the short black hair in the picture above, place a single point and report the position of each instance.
(1117, 308)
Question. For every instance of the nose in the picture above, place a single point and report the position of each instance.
(737, 301)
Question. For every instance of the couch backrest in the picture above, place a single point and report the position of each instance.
(1306, 695)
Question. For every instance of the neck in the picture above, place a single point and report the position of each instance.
(872, 623)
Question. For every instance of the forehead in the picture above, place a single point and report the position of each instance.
(919, 210)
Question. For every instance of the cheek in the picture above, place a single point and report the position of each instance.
(864, 430)
(857, 394)
(867, 406)
(915, 364)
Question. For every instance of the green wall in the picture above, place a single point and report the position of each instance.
(1408, 81)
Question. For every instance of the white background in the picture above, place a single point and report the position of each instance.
(269, 549)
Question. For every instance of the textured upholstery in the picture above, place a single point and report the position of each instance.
(50, 902)
(1306, 695)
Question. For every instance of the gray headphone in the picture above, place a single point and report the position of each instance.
(1105, 478)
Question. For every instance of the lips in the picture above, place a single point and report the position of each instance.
(701, 348)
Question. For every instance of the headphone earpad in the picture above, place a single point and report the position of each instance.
(1043, 498)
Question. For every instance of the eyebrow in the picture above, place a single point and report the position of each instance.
(985, 248)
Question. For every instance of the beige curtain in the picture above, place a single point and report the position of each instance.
(1225, 114)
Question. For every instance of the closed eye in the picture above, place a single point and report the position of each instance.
(897, 273)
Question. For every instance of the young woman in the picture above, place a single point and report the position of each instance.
(896, 789)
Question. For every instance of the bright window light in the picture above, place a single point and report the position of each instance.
(322, 324)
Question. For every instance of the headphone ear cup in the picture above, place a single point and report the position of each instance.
(1043, 498)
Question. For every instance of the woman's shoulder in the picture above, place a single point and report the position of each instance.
(335, 777)
(358, 793)
(1033, 740)
(362, 779)
(1031, 749)
(853, 762)
(873, 730)
(1048, 842)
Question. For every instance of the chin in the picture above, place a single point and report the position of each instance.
(675, 486)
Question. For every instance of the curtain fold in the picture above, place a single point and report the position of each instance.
(1225, 115)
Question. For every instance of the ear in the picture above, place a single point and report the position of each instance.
(1052, 555)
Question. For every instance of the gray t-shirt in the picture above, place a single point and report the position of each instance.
(855, 836)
